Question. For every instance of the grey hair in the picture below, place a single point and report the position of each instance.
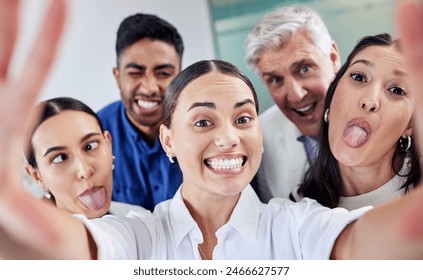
(276, 27)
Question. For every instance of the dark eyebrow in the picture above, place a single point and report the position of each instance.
(163, 66)
(203, 104)
(143, 68)
(365, 62)
(246, 101)
(136, 66)
(60, 148)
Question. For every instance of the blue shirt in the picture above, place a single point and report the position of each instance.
(143, 174)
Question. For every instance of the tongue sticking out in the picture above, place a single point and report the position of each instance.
(355, 136)
(94, 200)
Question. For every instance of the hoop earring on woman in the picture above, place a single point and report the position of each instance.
(405, 145)
(325, 115)
(169, 155)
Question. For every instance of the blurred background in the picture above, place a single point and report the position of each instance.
(210, 29)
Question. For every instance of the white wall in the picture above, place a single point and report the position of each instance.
(83, 68)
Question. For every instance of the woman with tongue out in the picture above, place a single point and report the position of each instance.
(367, 155)
(70, 157)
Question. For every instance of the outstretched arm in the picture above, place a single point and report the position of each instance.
(395, 230)
(30, 229)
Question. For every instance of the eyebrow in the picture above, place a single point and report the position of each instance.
(211, 105)
(396, 72)
(364, 61)
(246, 101)
(60, 148)
(143, 68)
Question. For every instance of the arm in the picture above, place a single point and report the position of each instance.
(29, 228)
(395, 230)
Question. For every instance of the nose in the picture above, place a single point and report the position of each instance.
(370, 102)
(84, 170)
(295, 92)
(149, 86)
(226, 137)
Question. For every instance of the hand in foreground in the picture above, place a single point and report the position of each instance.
(410, 27)
(24, 223)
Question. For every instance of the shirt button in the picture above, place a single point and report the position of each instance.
(156, 188)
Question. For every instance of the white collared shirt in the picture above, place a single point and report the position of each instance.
(278, 230)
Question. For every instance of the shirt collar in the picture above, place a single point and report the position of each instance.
(180, 218)
(245, 217)
(134, 132)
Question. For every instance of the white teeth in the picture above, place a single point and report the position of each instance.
(302, 110)
(227, 164)
(146, 104)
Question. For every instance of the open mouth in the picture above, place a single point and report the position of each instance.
(147, 104)
(226, 164)
(306, 110)
(357, 133)
(94, 199)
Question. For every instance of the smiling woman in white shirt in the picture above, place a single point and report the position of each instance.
(212, 128)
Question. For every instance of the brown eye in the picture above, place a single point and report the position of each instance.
(59, 158)
(243, 119)
(397, 90)
(203, 123)
(91, 146)
(358, 77)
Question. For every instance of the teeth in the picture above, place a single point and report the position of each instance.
(302, 110)
(226, 164)
(146, 104)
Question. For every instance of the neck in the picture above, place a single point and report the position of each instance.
(150, 133)
(210, 212)
(361, 180)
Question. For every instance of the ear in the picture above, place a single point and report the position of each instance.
(166, 139)
(116, 73)
(408, 131)
(35, 174)
(335, 57)
(107, 136)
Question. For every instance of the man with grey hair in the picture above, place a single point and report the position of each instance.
(293, 53)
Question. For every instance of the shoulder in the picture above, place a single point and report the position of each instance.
(273, 117)
(108, 109)
(122, 209)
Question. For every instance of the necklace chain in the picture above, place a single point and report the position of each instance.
(202, 253)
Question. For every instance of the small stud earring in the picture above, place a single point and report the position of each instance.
(47, 195)
(262, 150)
(113, 163)
(169, 155)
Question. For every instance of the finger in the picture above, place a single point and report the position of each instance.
(8, 31)
(42, 54)
(409, 25)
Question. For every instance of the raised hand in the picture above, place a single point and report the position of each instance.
(25, 224)
(410, 27)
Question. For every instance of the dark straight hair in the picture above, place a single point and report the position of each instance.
(53, 107)
(194, 72)
(323, 180)
(145, 26)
